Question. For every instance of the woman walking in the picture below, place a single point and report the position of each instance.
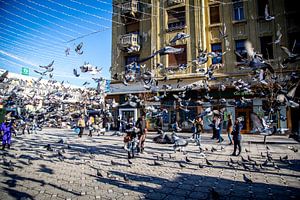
(81, 125)
(237, 136)
(229, 128)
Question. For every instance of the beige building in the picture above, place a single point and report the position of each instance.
(146, 26)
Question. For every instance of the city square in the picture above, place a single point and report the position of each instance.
(40, 174)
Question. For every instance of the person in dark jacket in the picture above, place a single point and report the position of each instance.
(141, 124)
(236, 133)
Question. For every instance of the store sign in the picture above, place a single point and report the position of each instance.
(241, 93)
(25, 71)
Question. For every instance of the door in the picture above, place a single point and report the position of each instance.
(245, 113)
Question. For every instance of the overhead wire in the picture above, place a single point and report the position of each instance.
(83, 12)
(35, 53)
(48, 35)
(53, 16)
(65, 14)
(38, 24)
(40, 17)
(27, 40)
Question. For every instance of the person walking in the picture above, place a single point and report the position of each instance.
(141, 124)
(91, 122)
(218, 126)
(236, 133)
(81, 125)
(229, 128)
(6, 130)
(199, 130)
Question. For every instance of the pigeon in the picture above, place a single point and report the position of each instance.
(156, 163)
(76, 73)
(99, 173)
(125, 177)
(200, 165)
(129, 162)
(292, 57)
(231, 161)
(275, 166)
(113, 162)
(78, 48)
(243, 159)
(247, 151)
(179, 36)
(182, 165)
(268, 17)
(47, 67)
(208, 162)
(222, 32)
(61, 141)
(187, 159)
(250, 159)
(245, 167)
(246, 179)
(67, 51)
(278, 36)
(41, 73)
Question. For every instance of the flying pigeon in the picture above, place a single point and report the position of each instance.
(268, 17)
(179, 36)
(47, 67)
(76, 73)
(78, 49)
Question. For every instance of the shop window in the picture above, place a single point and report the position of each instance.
(240, 48)
(176, 19)
(177, 59)
(214, 14)
(217, 48)
(266, 48)
(238, 10)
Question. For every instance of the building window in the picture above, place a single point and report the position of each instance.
(240, 48)
(261, 5)
(238, 10)
(214, 14)
(130, 60)
(177, 59)
(176, 19)
(217, 48)
(266, 48)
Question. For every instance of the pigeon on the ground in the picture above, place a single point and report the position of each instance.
(246, 179)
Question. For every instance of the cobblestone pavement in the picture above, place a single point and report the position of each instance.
(29, 171)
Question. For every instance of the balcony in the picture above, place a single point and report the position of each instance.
(175, 2)
(131, 39)
(130, 43)
(130, 7)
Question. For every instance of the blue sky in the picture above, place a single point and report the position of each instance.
(35, 32)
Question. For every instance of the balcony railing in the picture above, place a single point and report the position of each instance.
(174, 2)
(176, 26)
(131, 39)
(130, 7)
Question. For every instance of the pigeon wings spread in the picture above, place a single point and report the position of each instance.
(260, 125)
